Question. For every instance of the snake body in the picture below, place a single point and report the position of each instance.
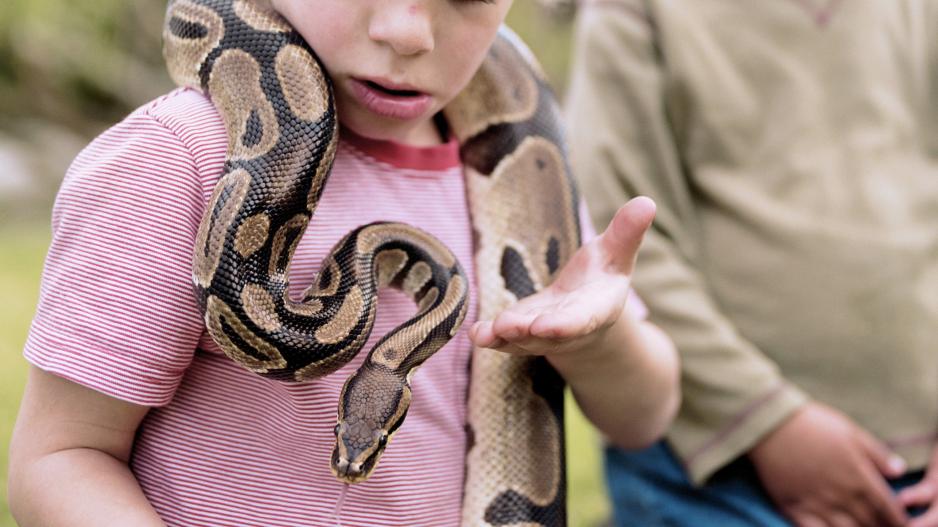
(278, 109)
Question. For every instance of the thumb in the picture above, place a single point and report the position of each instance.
(622, 238)
(888, 462)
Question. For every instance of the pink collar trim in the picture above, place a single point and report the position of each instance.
(400, 155)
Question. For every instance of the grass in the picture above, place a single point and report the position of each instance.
(22, 248)
(587, 501)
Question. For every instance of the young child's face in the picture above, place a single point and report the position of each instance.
(396, 63)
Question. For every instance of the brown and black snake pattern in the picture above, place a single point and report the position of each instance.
(278, 108)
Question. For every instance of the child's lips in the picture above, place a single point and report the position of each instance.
(390, 100)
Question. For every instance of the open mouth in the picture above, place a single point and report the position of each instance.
(389, 91)
(395, 101)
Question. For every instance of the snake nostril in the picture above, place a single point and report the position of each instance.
(342, 465)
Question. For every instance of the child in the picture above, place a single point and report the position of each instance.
(131, 415)
(793, 257)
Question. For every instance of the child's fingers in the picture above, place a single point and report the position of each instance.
(920, 494)
(562, 325)
(513, 325)
(927, 519)
(513, 329)
(481, 335)
(549, 332)
(581, 314)
(514, 349)
(565, 317)
(888, 463)
(540, 325)
(535, 303)
(623, 236)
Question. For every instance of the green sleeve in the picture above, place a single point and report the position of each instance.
(624, 110)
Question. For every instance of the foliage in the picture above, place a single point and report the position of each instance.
(82, 64)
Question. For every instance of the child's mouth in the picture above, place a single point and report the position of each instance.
(399, 93)
(388, 100)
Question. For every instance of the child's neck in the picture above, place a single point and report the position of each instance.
(432, 132)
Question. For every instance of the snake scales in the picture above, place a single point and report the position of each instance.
(278, 109)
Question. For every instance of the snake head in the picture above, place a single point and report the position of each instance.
(373, 405)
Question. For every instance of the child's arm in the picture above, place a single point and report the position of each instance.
(68, 458)
(623, 371)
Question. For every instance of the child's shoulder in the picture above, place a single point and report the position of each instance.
(192, 119)
(173, 146)
(176, 133)
(183, 109)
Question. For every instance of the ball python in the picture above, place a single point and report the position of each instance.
(277, 105)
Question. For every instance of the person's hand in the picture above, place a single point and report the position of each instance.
(924, 494)
(588, 296)
(822, 470)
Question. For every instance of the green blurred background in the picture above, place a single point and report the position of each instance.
(70, 69)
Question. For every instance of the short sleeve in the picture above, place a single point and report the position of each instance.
(587, 232)
(116, 308)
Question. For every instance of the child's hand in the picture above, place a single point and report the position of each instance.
(837, 476)
(623, 371)
(924, 495)
(578, 309)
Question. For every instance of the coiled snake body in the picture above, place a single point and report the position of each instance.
(277, 106)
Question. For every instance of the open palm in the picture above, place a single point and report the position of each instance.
(586, 298)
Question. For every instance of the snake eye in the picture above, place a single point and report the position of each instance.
(383, 439)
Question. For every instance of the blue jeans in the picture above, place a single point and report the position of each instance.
(649, 488)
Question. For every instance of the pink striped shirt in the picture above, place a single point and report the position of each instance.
(223, 446)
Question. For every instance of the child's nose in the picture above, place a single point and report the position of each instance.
(404, 25)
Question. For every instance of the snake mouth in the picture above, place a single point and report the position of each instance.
(353, 471)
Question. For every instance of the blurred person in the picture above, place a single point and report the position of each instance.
(792, 149)
(132, 415)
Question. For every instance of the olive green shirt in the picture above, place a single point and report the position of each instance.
(793, 154)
